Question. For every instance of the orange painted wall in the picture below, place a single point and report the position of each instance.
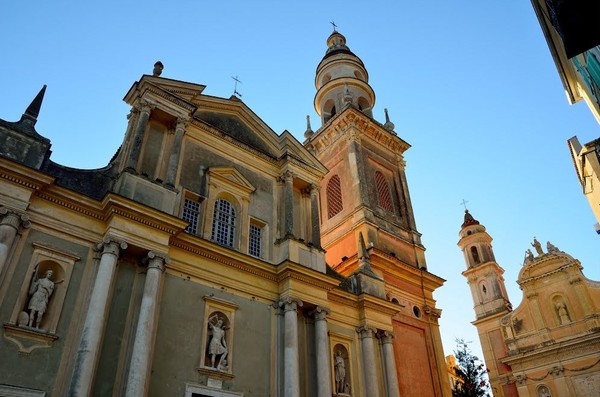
(415, 377)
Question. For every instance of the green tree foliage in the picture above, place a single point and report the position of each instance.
(472, 380)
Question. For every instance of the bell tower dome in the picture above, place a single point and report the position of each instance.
(341, 80)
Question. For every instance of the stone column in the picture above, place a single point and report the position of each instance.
(93, 327)
(176, 150)
(143, 343)
(291, 374)
(9, 226)
(368, 355)
(389, 364)
(289, 204)
(138, 135)
(314, 214)
(322, 354)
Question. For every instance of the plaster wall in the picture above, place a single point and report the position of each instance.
(178, 352)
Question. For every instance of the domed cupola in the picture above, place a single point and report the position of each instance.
(341, 80)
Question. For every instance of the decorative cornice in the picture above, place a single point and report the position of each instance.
(119, 206)
(72, 205)
(528, 280)
(22, 175)
(377, 304)
(353, 118)
(204, 253)
(169, 97)
(308, 276)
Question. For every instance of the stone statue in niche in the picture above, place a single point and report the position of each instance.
(563, 315)
(538, 247)
(217, 346)
(40, 291)
(340, 372)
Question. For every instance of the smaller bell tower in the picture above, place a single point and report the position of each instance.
(483, 274)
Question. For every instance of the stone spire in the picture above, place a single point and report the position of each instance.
(309, 132)
(388, 124)
(363, 254)
(33, 110)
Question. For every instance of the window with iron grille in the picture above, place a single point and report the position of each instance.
(255, 242)
(223, 228)
(334, 196)
(384, 198)
(191, 214)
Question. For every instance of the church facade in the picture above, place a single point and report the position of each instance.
(215, 257)
(546, 346)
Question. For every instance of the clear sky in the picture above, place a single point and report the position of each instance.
(469, 84)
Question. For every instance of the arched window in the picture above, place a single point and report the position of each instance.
(223, 228)
(475, 254)
(334, 196)
(384, 198)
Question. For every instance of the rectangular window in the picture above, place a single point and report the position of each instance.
(191, 214)
(255, 243)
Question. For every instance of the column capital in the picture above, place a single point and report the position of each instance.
(314, 189)
(320, 313)
(386, 337)
(182, 124)
(289, 304)
(288, 176)
(158, 260)
(366, 332)
(14, 218)
(144, 106)
(110, 245)
(401, 162)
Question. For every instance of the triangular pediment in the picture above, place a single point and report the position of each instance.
(234, 119)
(230, 177)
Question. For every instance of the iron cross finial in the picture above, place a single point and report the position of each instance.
(235, 91)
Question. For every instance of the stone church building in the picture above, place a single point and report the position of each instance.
(548, 345)
(214, 257)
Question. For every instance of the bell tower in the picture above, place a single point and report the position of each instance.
(483, 274)
(365, 190)
(367, 224)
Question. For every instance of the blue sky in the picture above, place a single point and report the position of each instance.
(470, 85)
